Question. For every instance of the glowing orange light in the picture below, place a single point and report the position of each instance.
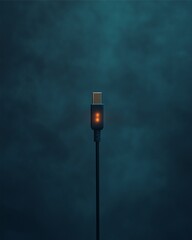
(97, 114)
(97, 119)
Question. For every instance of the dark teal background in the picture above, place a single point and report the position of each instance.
(52, 56)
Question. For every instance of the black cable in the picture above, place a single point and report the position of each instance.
(97, 193)
(97, 126)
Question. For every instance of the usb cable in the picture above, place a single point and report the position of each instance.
(97, 125)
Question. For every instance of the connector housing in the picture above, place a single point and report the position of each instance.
(97, 111)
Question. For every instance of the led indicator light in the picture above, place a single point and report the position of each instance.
(97, 119)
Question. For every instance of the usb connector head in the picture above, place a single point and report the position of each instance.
(97, 98)
(97, 111)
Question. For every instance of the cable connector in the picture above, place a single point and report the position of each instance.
(97, 111)
(97, 115)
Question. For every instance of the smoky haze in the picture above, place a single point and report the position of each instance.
(52, 56)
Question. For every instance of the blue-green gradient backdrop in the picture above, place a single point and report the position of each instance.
(52, 56)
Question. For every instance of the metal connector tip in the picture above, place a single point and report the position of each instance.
(97, 97)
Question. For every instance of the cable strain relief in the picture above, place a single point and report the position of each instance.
(97, 135)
